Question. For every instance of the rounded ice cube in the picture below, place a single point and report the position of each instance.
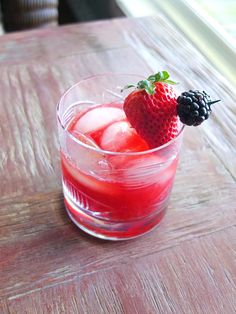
(98, 118)
(121, 137)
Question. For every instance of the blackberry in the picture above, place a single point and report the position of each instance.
(194, 107)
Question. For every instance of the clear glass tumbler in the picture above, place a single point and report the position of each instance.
(111, 195)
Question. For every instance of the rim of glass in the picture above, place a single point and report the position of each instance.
(99, 150)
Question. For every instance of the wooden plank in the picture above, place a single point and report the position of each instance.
(30, 161)
(144, 53)
(197, 276)
(4, 307)
(41, 247)
(55, 43)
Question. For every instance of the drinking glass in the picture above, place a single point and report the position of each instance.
(112, 195)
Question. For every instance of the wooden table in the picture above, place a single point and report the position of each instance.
(50, 266)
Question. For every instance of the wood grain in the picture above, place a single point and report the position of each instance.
(4, 307)
(176, 280)
(193, 71)
(71, 41)
(37, 225)
(47, 265)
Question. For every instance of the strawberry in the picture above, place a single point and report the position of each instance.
(152, 109)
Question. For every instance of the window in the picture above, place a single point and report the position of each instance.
(211, 27)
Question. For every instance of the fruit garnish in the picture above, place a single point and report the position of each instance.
(153, 108)
(194, 107)
(149, 84)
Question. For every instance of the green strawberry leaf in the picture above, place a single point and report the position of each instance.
(150, 90)
(162, 76)
(126, 87)
(152, 78)
(171, 82)
(166, 75)
(149, 84)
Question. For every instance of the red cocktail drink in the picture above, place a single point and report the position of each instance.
(115, 186)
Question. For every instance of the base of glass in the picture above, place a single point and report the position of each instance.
(112, 230)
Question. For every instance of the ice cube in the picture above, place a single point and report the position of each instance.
(90, 161)
(86, 180)
(149, 169)
(84, 139)
(83, 157)
(98, 118)
(121, 137)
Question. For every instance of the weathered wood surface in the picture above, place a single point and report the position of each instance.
(47, 265)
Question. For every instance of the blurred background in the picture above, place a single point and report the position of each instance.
(26, 14)
(209, 24)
